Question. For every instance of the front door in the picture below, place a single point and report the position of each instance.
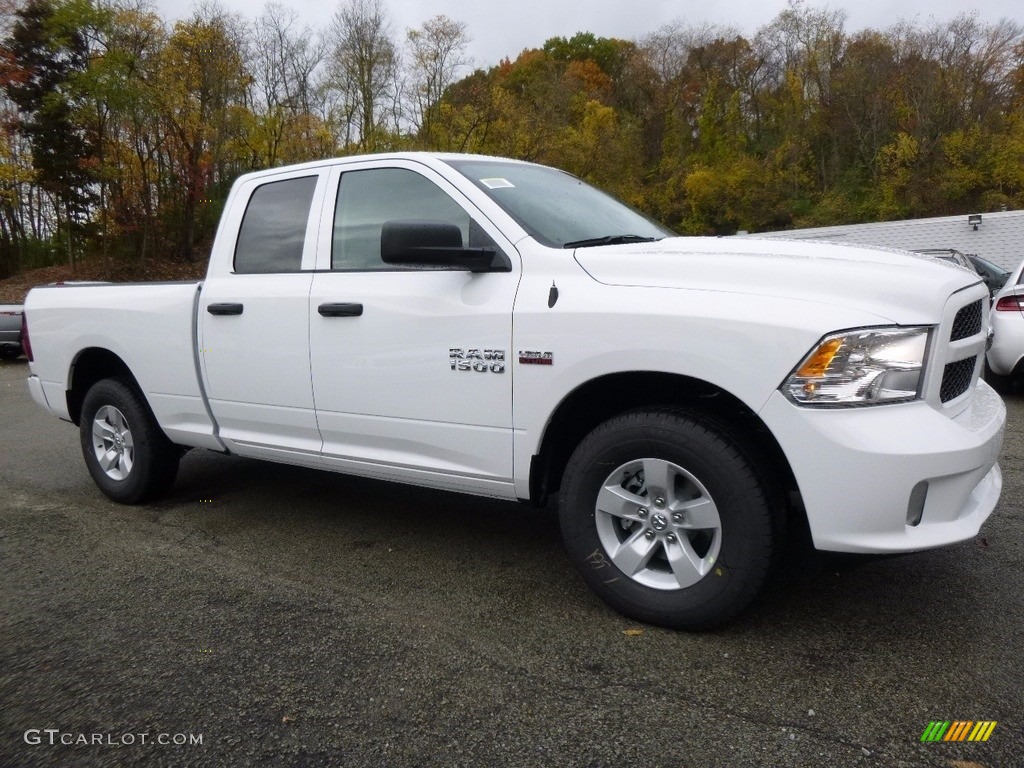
(411, 367)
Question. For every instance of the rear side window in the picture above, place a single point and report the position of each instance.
(274, 227)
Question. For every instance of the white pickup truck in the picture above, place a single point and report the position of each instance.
(501, 328)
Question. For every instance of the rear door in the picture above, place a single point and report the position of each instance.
(253, 315)
(410, 367)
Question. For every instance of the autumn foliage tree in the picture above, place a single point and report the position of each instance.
(199, 90)
(47, 49)
(122, 133)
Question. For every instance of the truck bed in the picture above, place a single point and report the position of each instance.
(151, 327)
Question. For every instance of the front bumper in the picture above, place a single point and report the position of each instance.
(857, 470)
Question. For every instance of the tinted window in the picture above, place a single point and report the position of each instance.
(367, 199)
(274, 227)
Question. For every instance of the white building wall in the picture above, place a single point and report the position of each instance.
(999, 238)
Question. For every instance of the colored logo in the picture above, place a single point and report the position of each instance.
(958, 730)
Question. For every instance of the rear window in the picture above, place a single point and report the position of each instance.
(274, 227)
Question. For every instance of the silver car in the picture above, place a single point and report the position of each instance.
(10, 331)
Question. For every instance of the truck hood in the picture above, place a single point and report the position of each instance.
(883, 282)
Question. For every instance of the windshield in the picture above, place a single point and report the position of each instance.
(557, 209)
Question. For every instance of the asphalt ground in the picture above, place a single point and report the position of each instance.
(267, 615)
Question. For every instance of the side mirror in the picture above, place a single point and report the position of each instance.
(436, 244)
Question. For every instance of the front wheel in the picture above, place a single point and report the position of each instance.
(128, 456)
(668, 519)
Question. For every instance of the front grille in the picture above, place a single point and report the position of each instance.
(967, 322)
(956, 378)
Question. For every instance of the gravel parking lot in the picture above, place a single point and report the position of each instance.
(270, 615)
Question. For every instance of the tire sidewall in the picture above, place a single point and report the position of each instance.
(731, 481)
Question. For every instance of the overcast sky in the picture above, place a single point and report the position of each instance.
(503, 28)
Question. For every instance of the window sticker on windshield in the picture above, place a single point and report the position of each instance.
(497, 183)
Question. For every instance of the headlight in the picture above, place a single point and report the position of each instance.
(863, 367)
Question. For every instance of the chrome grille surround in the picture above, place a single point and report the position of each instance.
(957, 354)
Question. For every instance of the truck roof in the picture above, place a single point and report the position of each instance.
(431, 159)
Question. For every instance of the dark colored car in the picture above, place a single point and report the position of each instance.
(10, 331)
(994, 277)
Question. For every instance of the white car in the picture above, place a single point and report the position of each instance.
(1005, 358)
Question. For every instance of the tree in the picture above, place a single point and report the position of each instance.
(136, 139)
(45, 50)
(801, 49)
(285, 60)
(608, 53)
(362, 71)
(436, 55)
(200, 88)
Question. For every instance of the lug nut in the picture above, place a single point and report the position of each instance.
(649, 533)
(659, 502)
(642, 512)
(671, 538)
(677, 517)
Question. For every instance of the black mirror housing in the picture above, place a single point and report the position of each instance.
(436, 244)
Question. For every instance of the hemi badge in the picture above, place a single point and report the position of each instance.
(536, 358)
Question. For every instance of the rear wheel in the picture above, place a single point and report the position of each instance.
(128, 456)
(667, 518)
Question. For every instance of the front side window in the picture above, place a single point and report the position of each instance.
(273, 229)
(368, 199)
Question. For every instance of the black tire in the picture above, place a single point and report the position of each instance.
(139, 462)
(717, 508)
(9, 353)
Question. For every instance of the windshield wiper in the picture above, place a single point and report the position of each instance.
(610, 240)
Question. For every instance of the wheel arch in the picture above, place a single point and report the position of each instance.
(91, 365)
(600, 399)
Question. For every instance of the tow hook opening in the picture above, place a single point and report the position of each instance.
(915, 509)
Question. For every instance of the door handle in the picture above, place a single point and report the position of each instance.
(340, 310)
(224, 309)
